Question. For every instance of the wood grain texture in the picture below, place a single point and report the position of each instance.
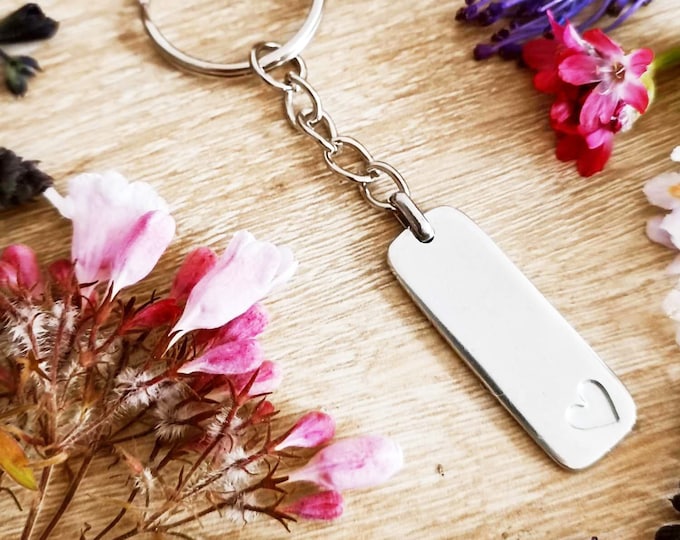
(398, 76)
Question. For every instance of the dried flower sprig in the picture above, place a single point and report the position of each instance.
(20, 180)
(85, 373)
(519, 21)
(28, 23)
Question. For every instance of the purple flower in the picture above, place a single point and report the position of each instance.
(523, 20)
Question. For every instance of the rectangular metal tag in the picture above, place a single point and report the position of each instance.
(524, 351)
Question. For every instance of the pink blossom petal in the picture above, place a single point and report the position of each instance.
(196, 265)
(671, 305)
(248, 325)
(671, 224)
(8, 275)
(244, 275)
(638, 61)
(598, 108)
(323, 506)
(599, 137)
(154, 315)
(22, 262)
(634, 93)
(604, 44)
(312, 430)
(673, 269)
(140, 250)
(268, 379)
(115, 224)
(572, 39)
(353, 463)
(656, 234)
(579, 69)
(539, 54)
(664, 190)
(227, 359)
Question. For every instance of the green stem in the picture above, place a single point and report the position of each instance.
(666, 60)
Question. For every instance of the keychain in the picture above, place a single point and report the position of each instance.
(524, 351)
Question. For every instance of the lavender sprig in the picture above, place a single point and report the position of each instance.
(524, 20)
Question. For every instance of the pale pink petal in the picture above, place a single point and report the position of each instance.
(312, 430)
(598, 108)
(656, 234)
(195, 266)
(664, 190)
(634, 93)
(227, 359)
(572, 39)
(637, 62)
(323, 506)
(244, 275)
(268, 378)
(579, 69)
(675, 154)
(139, 251)
(109, 231)
(673, 269)
(353, 463)
(671, 305)
(604, 44)
(24, 263)
(671, 224)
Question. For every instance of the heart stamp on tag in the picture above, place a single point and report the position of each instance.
(594, 409)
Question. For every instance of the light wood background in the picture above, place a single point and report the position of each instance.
(399, 76)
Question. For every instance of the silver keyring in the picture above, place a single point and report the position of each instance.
(204, 67)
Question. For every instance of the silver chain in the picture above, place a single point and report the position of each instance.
(306, 113)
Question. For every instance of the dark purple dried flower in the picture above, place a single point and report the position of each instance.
(28, 23)
(524, 20)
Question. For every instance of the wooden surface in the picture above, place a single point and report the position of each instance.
(397, 75)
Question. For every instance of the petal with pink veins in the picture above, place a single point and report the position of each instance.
(228, 359)
(579, 69)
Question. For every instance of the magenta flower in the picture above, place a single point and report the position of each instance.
(247, 272)
(352, 463)
(120, 230)
(267, 379)
(313, 429)
(616, 74)
(324, 506)
(19, 269)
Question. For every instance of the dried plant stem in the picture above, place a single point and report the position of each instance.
(36, 505)
(68, 496)
(119, 516)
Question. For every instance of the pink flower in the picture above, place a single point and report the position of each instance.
(160, 313)
(195, 266)
(268, 379)
(617, 76)
(313, 429)
(120, 230)
(227, 359)
(247, 271)
(598, 90)
(19, 269)
(352, 463)
(324, 506)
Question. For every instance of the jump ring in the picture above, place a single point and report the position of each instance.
(261, 72)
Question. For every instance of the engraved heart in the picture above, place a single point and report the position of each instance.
(594, 409)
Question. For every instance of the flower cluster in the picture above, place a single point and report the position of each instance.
(27, 23)
(524, 20)
(598, 89)
(86, 374)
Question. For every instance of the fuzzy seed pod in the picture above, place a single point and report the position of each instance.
(20, 180)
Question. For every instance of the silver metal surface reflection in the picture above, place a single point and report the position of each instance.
(524, 351)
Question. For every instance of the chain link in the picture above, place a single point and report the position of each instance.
(306, 113)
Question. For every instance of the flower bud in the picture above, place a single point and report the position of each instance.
(312, 430)
(324, 506)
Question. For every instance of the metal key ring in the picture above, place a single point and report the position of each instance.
(204, 67)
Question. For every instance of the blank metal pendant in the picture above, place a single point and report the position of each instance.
(524, 351)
